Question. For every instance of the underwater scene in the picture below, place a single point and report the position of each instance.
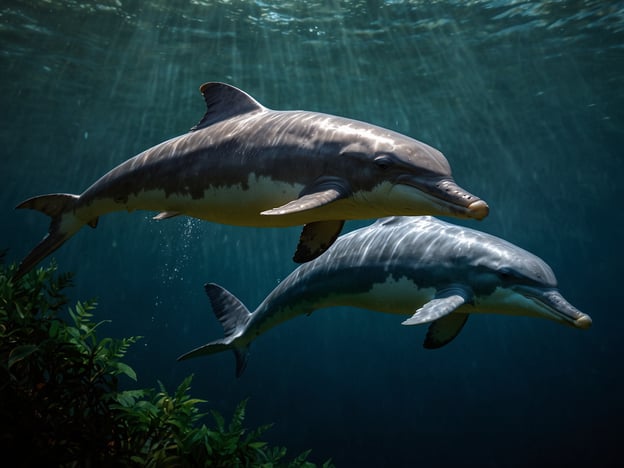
(525, 100)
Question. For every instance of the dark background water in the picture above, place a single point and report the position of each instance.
(526, 99)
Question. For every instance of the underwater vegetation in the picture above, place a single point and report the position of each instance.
(62, 404)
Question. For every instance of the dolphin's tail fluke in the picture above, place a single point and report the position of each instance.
(64, 224)
(234, 317)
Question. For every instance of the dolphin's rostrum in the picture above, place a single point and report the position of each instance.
(433, 271)
(246, 165)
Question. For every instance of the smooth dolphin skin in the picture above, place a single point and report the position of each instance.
(246, 165)
(430, 270)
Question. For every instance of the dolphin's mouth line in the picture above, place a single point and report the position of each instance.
(556, 306)
(450, 195)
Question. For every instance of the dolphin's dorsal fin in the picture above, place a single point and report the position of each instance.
(446, 302)
(444, 330)
(223, 102)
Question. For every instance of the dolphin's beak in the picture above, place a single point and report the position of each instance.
(478, 210)
(455, 199)
(556, 307)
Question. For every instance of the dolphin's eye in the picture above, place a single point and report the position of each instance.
(383, 162)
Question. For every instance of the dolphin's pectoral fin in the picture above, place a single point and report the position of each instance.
(166, 215)
(444, 330)
(435, 309)
(316, 238)
(446, 301)
(324, 191)
(307, 202)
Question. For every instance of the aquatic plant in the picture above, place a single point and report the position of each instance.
(61, 402)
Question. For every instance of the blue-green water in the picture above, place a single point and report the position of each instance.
(526, 99)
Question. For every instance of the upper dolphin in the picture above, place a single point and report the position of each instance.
(434, 271)
(246, 165)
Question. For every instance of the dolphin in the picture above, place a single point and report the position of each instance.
(246, 165)
(430, 270)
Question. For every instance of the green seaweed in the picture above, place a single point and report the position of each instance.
(61, 403)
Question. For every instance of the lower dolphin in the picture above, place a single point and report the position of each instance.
(246, 165)
(433, 271)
